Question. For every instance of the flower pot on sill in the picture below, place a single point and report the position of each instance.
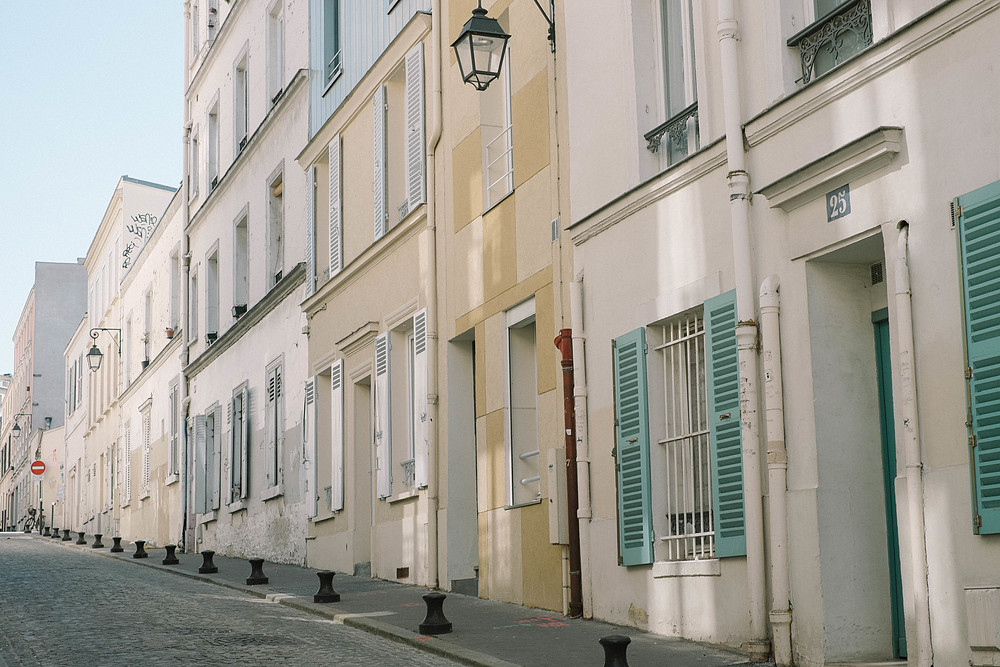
(170, 333)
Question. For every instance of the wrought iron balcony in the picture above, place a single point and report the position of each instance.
(834, 38)
(682, 130)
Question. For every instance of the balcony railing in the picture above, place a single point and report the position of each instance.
(834, 38)
(682, 133)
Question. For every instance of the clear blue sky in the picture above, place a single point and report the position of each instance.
(90, 90)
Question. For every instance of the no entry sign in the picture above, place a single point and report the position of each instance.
(37, 467)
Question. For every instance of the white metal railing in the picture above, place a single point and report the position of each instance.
(688, 533)
(334, 66)
(505, 167)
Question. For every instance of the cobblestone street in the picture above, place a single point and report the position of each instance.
(59, 606)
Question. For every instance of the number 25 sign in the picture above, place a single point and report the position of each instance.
(838, 203)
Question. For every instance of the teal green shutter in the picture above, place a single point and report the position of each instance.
(635, 518)
(724, 424)
(979, 245)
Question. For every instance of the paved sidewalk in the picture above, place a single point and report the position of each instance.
(486, 632)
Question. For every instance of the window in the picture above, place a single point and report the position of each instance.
(240, 105)
(241, 267)
(173, 444)
(212, 297)
(841, 30)
(128, 350)
(275, 230)
(195, 30)
(336, 209)
(193, 305)
(193, 159)
(238, 444)
(337, 436)
(212, 19)
(274, 421)
(697, 360)
(523, 476)
(978, 223)
(213, 147)
(275, 51)
(147, 337)
(146, 427)
(332, 55)
(175, 291)
(497, 138)
(127, 463)
(208, 459)
(677, 136)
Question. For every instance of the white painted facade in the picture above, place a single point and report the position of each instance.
(909, 125)
(246, 113)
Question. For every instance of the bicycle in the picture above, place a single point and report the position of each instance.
(30, 522)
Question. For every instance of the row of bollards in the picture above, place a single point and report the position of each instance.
(434, 623)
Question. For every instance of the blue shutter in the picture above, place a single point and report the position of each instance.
(724, 424)
(635, 517)
(979, 245)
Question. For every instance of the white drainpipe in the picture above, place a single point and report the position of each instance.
(433, 432)
(583, 512)
(777, 468)
(907, 401)
(185, 355)
(746, 328)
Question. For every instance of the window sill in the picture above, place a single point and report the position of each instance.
(126, 504)
(686, 568)
(498, 202)
(273, 492)
(238, 506)
(333, 79)
(404, 495)
(145, 495)
(171, 479)
(208, 517)
(527, 504)
(322, 519)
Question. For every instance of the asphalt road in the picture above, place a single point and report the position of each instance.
(62, 606)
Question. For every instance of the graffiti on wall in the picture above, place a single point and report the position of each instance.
(141, 228)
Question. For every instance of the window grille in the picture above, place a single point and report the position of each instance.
(689, 532)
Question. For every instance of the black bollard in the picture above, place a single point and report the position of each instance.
(116, 548)
(46, 533)
(55, 533)
(81, 540)
(326, 592)
(170, 558)
(207, 565)
(435, 623)
(97, 542)
(66, 536)
(614, 650)
(256, 572)
(140, 549)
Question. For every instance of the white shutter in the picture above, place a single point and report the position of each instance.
(415, 183)
(383, 435)
(244, 441)
(145, 449)
(336, 253)
(311, 231)
(421, 433)
(337, 435)
(309, 446)
(216, 469)
(128, 463)
(378, 161)
(270, 446)
(200, 434)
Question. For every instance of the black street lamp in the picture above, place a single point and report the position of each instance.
(16, 430)
(94, 356)
(480, 49)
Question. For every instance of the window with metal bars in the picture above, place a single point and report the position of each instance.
(688, 532)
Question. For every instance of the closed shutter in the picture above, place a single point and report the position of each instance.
(724, 424)
(979, 245)
(244, 443)
(216, 469)
(128, 463)
(309, 446)
(336, 233)
(200, 434)
(311, 231)
(635, 518)
(271, 445)
(337, 436)
(415, 127)
(145, 449)
(378, 161)
(383, 435)
(421, 432)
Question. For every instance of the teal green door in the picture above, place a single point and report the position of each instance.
(880, 320)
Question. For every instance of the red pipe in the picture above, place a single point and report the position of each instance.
(564, 341)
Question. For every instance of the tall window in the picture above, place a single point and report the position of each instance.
(498, 143)
(275, 51)
(238, 445)
(195, 30)
(193, 164)
(332, 55)
(680, 94)
(175, 291)
(212, 19)
(841, 29)
(274, 424)
(193, 305)
(240, 104)
(241, 267)
(173, 444)
(147, 321)
(522, 401)
(146, 428)
(212, 297)
(213, 147)
(275, 230)
(689, 531)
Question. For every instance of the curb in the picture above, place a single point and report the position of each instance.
(425, 643)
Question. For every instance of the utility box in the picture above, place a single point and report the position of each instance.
(982, 608)
(558, 521)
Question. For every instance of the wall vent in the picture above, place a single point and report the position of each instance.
(878, 273)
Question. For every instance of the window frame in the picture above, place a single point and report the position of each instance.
(333, 58)
(520, 316)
